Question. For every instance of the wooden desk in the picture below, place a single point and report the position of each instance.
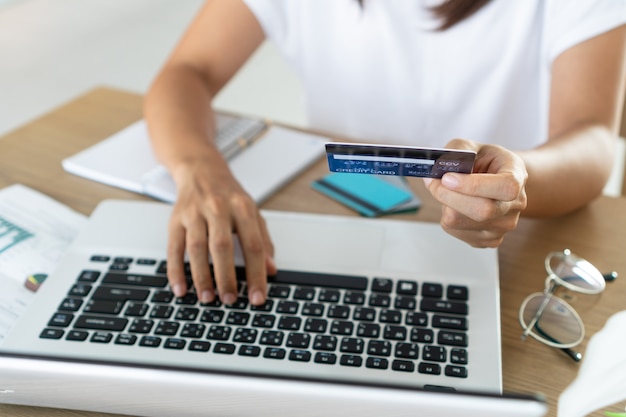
(32, 156)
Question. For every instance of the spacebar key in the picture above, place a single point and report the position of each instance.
(100, 323)
(319, 279)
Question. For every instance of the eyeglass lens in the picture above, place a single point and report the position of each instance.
(557, 325)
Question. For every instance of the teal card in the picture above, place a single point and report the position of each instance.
(370, 195)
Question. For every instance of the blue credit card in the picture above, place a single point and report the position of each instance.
(405, 161)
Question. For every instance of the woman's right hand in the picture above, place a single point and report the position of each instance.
(211, 205)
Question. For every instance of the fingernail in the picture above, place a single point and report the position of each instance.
(450, 181)
(257, 298)
(229, 298)
(179, 290)
(207, 296)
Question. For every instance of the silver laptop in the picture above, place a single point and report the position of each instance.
(365, 317)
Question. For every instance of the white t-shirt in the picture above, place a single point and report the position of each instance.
(382, 73)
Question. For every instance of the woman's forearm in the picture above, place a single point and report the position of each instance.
(569, 171)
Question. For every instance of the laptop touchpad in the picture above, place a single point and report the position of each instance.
(302, 242)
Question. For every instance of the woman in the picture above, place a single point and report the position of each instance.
(535, 85)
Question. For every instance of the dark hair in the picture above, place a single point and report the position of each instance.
(451, 12)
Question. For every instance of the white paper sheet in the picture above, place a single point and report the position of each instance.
(35, 230)
(601, 380)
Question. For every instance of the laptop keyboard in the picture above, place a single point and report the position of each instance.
(323, 319)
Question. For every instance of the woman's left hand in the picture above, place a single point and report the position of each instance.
(480, 208)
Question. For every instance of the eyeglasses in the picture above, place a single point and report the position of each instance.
(547, 317)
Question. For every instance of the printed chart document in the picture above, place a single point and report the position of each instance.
(262, 156)
(35, 230)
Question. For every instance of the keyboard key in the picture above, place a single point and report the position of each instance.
(71, 304)
(434, 353)
(351, 360)
(51, 334)
(304, 293)
(141, 326)
(338, 312)
(376, 363)
(456, 371)
(327, 343)
(101, 323)
(457, 292)
(325, 358)
(439, 306)
(193, 330)
(371, 330)
(100, 258)
(175, 344)
(433, 290)
(383, 285)
(239, 318)
(161, 312)
(274, 353)
(104, 307)
(266, 306)
(287, 307)
(403, 366)
(279, 291)
(61, 320)
(352, 345)
(217, 332)
(341, 327)
(77, 335)
(313, 309)
(315, 325)
(320, 279)
(405, 287)
(137, 280)
(125, 339)
(249, 350)
(120, 294)
(272, 338)
(163, 296)
(187, 313)
(101, 337)
(429, 368)
(224, 348)
(448, 338)
(407, 350)
(450, 322)
(394, 332)
(245, 335)
(188, 299)
(379, 348)
(199, 346)
(422, 335)
(289, 323)
(89, 276)
(299, 355)
(379, 300)
(263, 320)
(331, 296)
(136, 309)
(364, 314)
(414, 318)
(354, 297)
(298, 340)
(167, 328)
(80, 290)
(390, 316)
(212, 316)
(458, 356)
(405, 303)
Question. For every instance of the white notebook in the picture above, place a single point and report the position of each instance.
(251, 146)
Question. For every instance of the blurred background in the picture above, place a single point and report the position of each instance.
(52, 51)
